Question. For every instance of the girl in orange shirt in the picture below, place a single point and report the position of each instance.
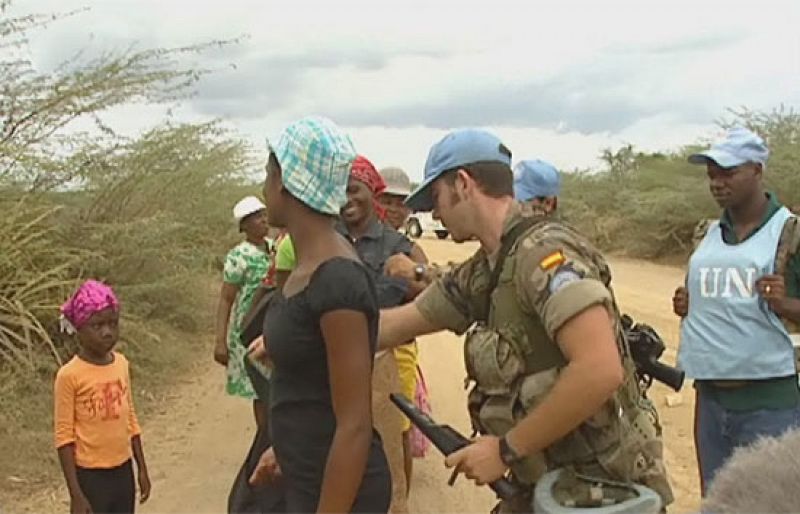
(96, 431)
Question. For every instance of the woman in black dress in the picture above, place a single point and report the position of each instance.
(321, 333)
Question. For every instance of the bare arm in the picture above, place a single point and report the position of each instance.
(281, 277)
(141, 466)
(227, 297)
(415, 287)
(350, 370)
(138, 453)
(399, 325)
(403, 266)
(418, 255)
(591, 377)
(789, 308)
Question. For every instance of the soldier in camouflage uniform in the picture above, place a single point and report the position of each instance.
(554, 382)
(537, 184)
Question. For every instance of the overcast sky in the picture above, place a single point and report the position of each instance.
(555, 80)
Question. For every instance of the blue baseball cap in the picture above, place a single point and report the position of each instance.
(739, 146)
(458, 148)
(534, 178)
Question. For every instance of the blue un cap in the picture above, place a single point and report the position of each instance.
(739, 146)
(458, 148)
(535, 178)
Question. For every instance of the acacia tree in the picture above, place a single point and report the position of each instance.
(780, 128)
(38, 151)
(649, 204)
(137, 192)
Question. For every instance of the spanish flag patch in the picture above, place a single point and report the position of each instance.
(551, 261)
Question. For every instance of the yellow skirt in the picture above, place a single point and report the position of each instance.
(388, 422)
(407, 357)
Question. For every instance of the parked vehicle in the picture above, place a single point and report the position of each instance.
(421, 222)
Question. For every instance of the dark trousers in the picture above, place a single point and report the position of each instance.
(109, 490)
(719, 431)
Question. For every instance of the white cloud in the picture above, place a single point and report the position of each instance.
(558, 80)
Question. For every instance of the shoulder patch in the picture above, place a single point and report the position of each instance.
(563, 275)
(551, 261)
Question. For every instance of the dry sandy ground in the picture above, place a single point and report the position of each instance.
(196, 443)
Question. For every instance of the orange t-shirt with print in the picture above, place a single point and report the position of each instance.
(94, 410)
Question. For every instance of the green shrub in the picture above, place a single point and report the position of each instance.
(647, 205)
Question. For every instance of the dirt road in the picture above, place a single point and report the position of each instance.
(196, 443)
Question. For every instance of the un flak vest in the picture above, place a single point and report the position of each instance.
(730, 331)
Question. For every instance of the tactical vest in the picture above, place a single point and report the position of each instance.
(514, 365)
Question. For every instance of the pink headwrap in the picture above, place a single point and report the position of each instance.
(91, 297)
(364, 171)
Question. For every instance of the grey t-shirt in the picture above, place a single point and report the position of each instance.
(378, 244)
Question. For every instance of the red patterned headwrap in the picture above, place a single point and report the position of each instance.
(364, 171)
(90, 298)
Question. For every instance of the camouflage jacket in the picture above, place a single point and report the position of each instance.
(436, 271)
(550, 275)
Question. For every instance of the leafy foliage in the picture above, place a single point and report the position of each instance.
(146, 214)
(149, 214)
(647, 205)
(39, 146)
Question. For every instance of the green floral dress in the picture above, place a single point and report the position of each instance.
(246, 266)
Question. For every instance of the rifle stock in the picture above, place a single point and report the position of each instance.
(447, 440)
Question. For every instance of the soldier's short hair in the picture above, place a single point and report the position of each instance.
(758, 478)
(495, 179)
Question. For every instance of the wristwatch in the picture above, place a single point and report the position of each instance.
(419, 272)
(507, 453)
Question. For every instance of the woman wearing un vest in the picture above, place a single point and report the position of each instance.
(735, 307)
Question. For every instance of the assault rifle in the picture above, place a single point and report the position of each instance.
(646, 348)
(447, 440)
